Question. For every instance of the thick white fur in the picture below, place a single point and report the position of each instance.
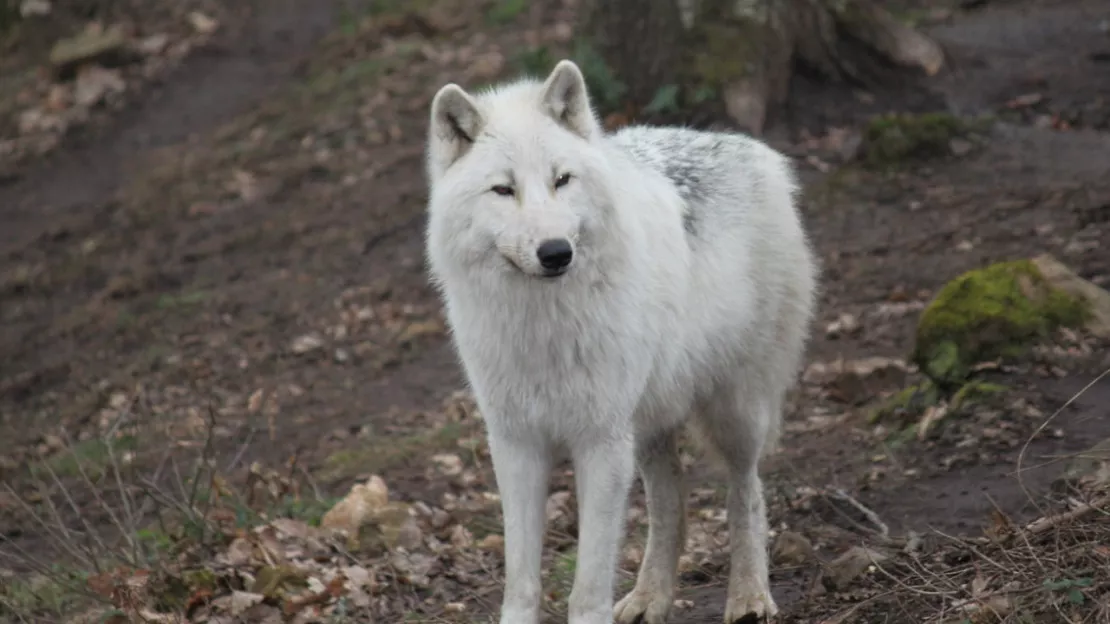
(689, 298)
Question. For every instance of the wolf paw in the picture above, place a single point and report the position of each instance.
(643, 607)
(750, 608)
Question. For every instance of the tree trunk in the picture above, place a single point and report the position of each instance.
(745, 50)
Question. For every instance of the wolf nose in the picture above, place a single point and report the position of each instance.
(555, 254)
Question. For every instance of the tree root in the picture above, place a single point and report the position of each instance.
(825, 36)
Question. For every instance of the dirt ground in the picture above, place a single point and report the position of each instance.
(234, 255)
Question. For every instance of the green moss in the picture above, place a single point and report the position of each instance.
(997, 311)
(975, 392)
(911, 401)
(389, 453)
(893, 139)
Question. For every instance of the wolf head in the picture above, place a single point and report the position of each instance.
(516, 176)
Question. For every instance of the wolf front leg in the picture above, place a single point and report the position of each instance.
(522, 467)
(603, 475)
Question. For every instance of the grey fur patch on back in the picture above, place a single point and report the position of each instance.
(694, 161)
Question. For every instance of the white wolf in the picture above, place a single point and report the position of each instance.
(601, 289)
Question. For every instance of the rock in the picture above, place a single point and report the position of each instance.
(792, 549)
(95, 83)
(36, 120)
(844, 325)
(203, 24)
(1097, 299)
(59, 98)
(960, 147)
(840, 573)
(370, 520)
(449, 464)
(358, 506)
(103, 47)
(492, 543)
(34, 8)
(153, 45)
(988, 313)
(306, 344)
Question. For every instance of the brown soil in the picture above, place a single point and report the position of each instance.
(227, 232)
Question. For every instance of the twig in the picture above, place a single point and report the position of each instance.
(1041, 525)
(1029, 440)
(872, 517)
(976, 551)
(125, 531)
(242, 449)
(61, 535)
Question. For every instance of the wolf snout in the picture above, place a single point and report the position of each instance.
(555, 255)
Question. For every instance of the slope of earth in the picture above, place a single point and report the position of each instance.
(254, 288)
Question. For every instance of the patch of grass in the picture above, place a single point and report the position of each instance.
(536, 62)
(504, 11)
(910, 402)
(186, 299)
(385, 453)
(309, 510)
(48, 596)
(562, 579)
(665, 100)
(93, 456)
(891, 140)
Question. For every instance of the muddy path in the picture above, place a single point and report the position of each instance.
(222, 80)
(244, 247)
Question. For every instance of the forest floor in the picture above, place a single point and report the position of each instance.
(214, 312)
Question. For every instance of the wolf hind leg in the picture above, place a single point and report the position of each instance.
(737, 423)
(660, 468)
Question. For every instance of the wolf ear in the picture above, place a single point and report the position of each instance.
(455, 124)
(565, 98)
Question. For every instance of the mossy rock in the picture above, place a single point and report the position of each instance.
(897, 138)
(984, 314)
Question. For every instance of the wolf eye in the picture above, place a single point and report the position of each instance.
(502, 190)
(562, 180)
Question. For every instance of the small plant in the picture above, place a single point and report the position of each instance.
(891, 140)
(606, 90)
(665, 100)
(1072, 588)
(9, 15)
(504, 11)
